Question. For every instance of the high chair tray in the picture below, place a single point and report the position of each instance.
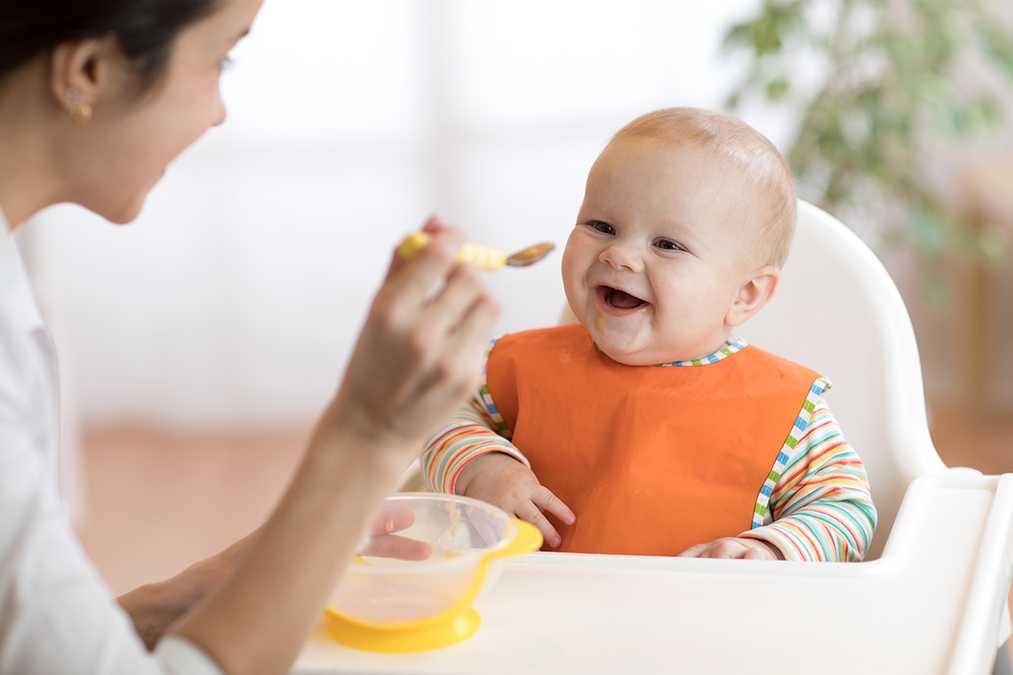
(930, 604)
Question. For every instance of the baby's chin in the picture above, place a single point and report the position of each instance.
(644, 357)
(624, 343)
(626, 359)
(623, 351)
(636, 350)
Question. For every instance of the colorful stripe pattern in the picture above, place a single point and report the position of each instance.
(820, 507)
(730, 347)
(815, 504)
(797, 433)
(476, 429)
(467, 436)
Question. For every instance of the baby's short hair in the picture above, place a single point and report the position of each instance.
(745, 147)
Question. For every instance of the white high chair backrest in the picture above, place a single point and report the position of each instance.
(837, 311)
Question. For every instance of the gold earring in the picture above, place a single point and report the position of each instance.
(81, 114)
(80, 111)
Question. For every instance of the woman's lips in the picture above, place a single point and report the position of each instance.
(617, 302)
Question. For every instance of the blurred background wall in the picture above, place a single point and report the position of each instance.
(235, 298)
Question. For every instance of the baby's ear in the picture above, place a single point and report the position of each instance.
(753, 295)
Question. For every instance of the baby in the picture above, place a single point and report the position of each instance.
(649, 428)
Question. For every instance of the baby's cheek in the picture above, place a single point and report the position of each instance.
(712, 300)
(577, 301)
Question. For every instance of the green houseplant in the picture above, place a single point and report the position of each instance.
(870, 81)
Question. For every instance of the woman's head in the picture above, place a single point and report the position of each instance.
(109, 92)
(145, 30)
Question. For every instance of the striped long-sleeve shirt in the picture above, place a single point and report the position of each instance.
(815, 506)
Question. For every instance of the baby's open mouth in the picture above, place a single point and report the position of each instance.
(613, 297)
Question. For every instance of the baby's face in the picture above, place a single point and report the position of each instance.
(660, 250)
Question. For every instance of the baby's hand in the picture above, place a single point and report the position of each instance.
(504, 482)
(734, 547)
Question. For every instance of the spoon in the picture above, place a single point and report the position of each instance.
(483, 257)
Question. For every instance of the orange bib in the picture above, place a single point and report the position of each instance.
(651, 459)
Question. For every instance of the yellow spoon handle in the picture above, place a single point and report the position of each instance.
(479, 256)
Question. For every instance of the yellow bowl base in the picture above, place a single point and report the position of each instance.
(410, 639)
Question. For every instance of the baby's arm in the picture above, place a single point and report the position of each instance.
(467, 436)
(821, 507)
(468, 457)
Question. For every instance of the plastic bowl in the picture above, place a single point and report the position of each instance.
(415, 577)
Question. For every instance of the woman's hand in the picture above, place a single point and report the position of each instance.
(420, 351)
(383, 543)
(154, 607)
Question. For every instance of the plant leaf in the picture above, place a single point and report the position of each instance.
(777, 89)
(997, 45)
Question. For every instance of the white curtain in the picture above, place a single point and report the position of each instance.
(236, 297)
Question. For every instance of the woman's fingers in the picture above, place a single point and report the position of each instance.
(394, 546)
(393, 518)
(412, 281)
(432, 226)
(456, 368)
(534, 515)
(546, 501)
(470, 337)
(447, 309)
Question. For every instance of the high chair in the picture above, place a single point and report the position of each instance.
(930, 597)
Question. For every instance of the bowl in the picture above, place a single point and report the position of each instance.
(417, 572)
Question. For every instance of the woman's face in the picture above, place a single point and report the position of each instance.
(127, 146)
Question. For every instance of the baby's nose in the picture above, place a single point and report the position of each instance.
(621, 258)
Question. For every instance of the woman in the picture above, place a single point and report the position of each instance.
(96, 98)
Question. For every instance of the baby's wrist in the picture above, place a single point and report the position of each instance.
(775, 551)
(472, 467)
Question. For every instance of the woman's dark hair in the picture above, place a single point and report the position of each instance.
(146, 29)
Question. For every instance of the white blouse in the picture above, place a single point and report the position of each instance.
(56, 614)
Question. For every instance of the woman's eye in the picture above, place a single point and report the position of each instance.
(669, 245)
(601, 226)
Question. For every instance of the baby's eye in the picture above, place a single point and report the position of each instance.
(601, 226)
(669, 245)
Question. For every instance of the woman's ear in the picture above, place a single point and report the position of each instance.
(753, 295)
(81, 71)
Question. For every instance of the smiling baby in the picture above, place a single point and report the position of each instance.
(648, 428)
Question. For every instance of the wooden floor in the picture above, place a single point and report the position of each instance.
(156, 501)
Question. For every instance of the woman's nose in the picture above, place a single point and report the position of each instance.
(621, 258)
